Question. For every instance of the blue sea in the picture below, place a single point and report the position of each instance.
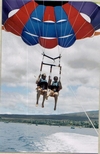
(18, 137)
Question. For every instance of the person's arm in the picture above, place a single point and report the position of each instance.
(60, 85)
(38, 79)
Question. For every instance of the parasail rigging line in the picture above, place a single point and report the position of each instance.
(50, 64)
(23, 23)
(84, 112)
(31, 22)
(66, 42)
(75, 22)
(71, 88)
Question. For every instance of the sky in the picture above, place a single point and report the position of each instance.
(20, 67)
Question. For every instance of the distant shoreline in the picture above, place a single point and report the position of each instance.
(52, 123)
(75, 119)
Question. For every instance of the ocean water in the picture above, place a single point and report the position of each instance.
(17, 137)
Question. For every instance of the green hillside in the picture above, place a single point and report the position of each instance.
(75, 119)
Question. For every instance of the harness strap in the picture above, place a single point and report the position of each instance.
(60, 68)
(41, 64)
(41, 67)
(51, 65)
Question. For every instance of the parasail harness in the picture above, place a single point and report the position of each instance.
(51, 65)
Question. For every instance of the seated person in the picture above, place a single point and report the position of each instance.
(54, 87)
(42, 86)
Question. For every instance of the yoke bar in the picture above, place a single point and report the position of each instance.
(51, 64)
(57, 57)
(51, 57)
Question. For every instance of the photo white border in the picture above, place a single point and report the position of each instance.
(0, 82)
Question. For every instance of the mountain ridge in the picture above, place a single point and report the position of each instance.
(94, 115)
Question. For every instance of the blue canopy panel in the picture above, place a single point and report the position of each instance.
(32, 29)
(29, 38)
(61, 29)
(48, 29)
(38, 12)
(65, 34)
(93, 12)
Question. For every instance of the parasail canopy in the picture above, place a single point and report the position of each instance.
(51, 23)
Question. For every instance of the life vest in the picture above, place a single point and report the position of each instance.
(55, 86)
(43, 83)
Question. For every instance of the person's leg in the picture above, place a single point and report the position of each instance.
(44, 97)
(56, 98)
(38, 95)
(48, 94)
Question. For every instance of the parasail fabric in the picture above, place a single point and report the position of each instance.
(51, 24)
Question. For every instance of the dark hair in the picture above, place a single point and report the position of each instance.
(43, 74)
(55, 77)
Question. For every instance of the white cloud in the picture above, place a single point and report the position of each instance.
(80, 76)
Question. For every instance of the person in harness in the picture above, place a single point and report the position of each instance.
(42, 86)
(54, 87)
